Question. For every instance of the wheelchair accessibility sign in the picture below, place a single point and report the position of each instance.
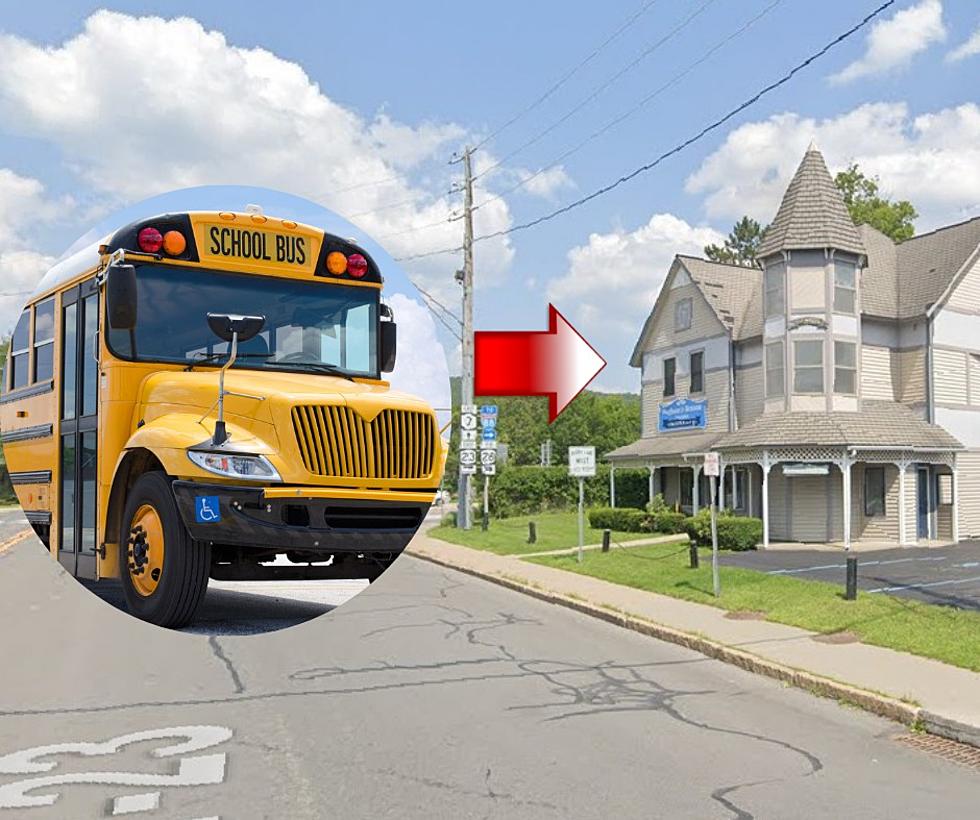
(207, 509)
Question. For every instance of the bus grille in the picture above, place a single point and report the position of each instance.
(336, 441)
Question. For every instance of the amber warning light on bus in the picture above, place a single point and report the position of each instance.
(150, 240)
(338, 264)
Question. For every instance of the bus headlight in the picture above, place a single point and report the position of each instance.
(231, 465)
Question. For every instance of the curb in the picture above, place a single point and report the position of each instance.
(873, 702)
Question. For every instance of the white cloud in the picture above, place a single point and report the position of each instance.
(141, 105)
(892, 43)
(969, 48)
(420, 366)
(545, 183)
(931, 159)
(24, 206)
(612, 281)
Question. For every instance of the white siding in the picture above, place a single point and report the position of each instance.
(704, 323)
(966, 296)
(750, 399)
(949, 367)
(876, 528)
(809, 502)
(968, 467)
(876, 373)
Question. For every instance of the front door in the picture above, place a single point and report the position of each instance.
(79, 429)
(923, 505)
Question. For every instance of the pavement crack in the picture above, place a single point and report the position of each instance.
(218, 650)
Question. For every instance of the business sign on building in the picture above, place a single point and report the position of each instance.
(683, 414)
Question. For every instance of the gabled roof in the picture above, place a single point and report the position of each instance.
(665, 445)
(879, 280)
(812, 213)
(729, 289)
(927, 264)
(879, 424)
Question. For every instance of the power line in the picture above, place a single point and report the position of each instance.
(677, 148)
(554, 163)
(568, 75)
(433, 299)
(602, 87)
(360, 185)
(455, 333)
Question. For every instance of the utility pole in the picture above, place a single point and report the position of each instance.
(464, 509)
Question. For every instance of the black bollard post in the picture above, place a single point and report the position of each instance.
(532, 532)
(851, 585)
(694, 555)
(606, 535)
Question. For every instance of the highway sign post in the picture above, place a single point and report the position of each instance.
(581, 463)
(488, 454)
(712, 469)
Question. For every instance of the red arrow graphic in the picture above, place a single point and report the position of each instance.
(557, 363)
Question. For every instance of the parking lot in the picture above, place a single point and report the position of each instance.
(949, 576)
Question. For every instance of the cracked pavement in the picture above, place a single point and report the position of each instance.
(430, 695)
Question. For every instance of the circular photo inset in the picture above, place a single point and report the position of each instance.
(221, 407)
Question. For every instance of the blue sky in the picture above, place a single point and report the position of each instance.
(102, 109)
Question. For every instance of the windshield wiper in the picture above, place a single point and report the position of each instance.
(205, 358)
(318, 367)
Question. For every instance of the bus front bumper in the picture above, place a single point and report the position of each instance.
(300, 518)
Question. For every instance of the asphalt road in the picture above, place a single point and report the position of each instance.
(949, 576)
(429, 695)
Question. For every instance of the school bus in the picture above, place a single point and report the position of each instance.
(201, 395)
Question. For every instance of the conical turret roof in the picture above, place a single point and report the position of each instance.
(812, 213)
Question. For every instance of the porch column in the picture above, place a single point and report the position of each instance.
(735, 490)
(696, 489)
(766, 466)
(902, 534)
(612, 485)
(956, 501)
(845, 469)
(651, 490)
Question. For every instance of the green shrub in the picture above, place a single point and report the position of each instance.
(667, 521)
(657, 504)
(524, 490)
(734, 532)
(623, 519)
(739, 533)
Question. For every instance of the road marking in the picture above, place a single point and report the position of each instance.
(133, 803)
(925, 584)
(862, 564)
(196, 770)
(15, 539)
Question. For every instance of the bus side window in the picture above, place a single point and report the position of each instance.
(20, 351)
(44, 340)
(90, 375)
(69, 363)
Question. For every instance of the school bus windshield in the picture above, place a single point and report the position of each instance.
(309, 326)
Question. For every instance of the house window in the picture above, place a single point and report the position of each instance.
(845, 367)
(874, 492)
(775, 285)
(44, 341)
(686, 479)
(808, 366)
(683, 310)
(670, 369)
(20, 352)
(844, 287)
(775, 370)
(697, 372)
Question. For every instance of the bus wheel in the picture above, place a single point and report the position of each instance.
(164, 571)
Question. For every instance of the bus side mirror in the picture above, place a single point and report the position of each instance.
(389, 346)
(120, 297)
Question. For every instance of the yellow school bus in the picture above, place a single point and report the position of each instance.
(201, 395)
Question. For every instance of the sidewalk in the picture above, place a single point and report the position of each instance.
(942, 699)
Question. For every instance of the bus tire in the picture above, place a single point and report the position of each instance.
(164, 572)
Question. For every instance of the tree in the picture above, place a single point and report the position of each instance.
(741, 245)
(866, 205)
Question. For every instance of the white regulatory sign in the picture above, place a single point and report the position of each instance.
(712, 464)
(581, 461)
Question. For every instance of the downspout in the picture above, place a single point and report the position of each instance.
(732, 409)
(930, 399)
